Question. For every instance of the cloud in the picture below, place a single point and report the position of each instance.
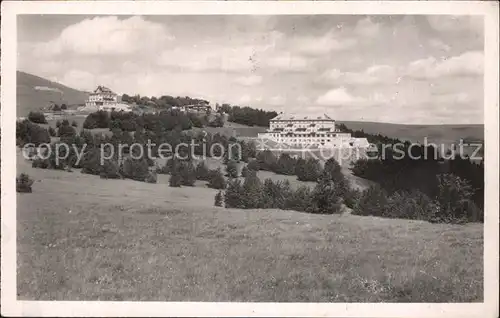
(440, 45)
(467, 64)
(106, 36)
(367, 28)
(456, 24)
(287, 62)
(321, 45)
(249, 80)
(376, 74)
(277, 100)
(339, 96)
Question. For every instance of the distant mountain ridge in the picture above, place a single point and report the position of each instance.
(35, 93)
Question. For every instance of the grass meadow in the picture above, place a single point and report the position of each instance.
(84, 238)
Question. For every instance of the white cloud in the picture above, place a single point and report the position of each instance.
(249, 80)
(376, 74)
(440, 45)
(106, 36)
(338, 97)
(286, 62)
(277, 100)
(367, 28)
(458, 24)
(467, 64)
(315, 46)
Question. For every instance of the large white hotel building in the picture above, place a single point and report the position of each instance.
(308, 131)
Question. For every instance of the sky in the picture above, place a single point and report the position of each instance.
(398, 69)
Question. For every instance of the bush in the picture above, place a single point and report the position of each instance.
(175, 174)
(217, 180)
(110, 170)
(251, 197)
(455, 200)
(52, 132)
(74, 123)
(234, 196)
(308, 170)
(135, 169)
(267, 160)
(58, 123)
(326, 197)
(37, 117)
(253, 165)
(409, 205)
(202, 172)
(285, 165)
(218, 199)
(152, 177)
(27, 132)
(351, 198)
(274, 194)
(99, 119)
(372, 201)
(24, 183)
(188, 174)
(232, 169)
(299, 200)
(244, 172)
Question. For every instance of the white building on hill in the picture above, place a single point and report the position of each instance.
(305, 131)
(103, 98)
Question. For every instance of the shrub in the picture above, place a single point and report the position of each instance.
(274, 194)
(234, 196)
(99, 119)
(218, 199)
(326, 196)
(110, 170)
(285, 165)
(188, 174)
(251, 197)
(58, 123)
(175, 175)
(409, 205)
(152, 177)
(351, 198)
(267, 160)
(202, 172)
(27, 132)
(217, 180)
(333, 171)
(74, 123)
(454, 199)
(52, 132)
(307, 170)
(24, 183)
(244, 171)
(232, 169)
(372, 201)
(253, 165)
(37, 117)
(299, 200)
(135, 169)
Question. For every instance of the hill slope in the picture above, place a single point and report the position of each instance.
(34, 93)
(435, 133)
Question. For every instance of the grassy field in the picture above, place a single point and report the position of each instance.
(83, 238)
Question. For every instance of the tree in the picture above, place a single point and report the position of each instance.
(326, 196)
(218, 199)
(188, 174)
(64, 107)
(52, 131)
(253, 165)
(232, 169)
(37, 117)
(27, 132)
(454, 198)
(372, 201)
(175, 175)
(251, 196)
(244, 172)
(307, 170)
(217, 180)
(202, 172)
(135, 169)
(74, 123)
(234, 196)
(24, 183)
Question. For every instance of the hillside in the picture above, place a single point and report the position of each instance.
(34, 92)
(435, 133)
(81, 237)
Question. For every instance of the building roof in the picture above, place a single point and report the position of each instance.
(103, 89)
(301, 117)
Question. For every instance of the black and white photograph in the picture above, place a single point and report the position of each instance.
(236, 156)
